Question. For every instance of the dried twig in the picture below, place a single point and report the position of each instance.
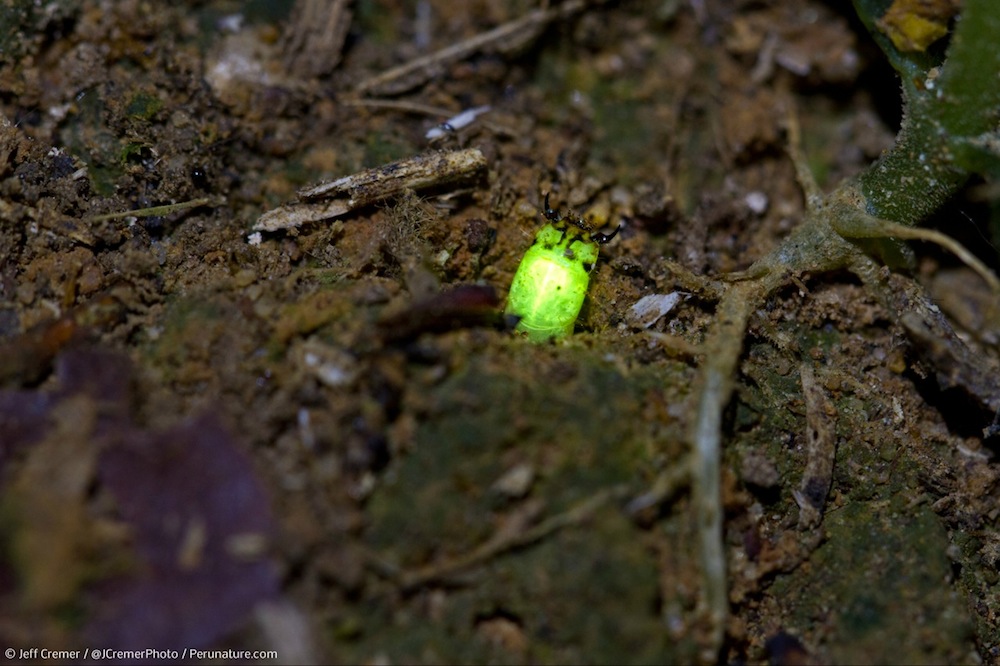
(505, 38)
(335, 198)
(517, 535)
(821, 449)
(154, 211)
(669, 482)
(401, 105)
(956, 366)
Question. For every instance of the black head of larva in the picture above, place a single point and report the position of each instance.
(555, 218)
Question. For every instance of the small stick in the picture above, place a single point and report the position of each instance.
(821, 450)
(505, 540)
(335, 198)
(814, 195)
(402, 105)
(669, 482)
(153, 211)
(503, 38)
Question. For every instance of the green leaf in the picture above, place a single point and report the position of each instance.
(967, 94)
(980, 154)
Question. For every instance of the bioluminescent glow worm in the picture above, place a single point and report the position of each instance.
(551, 282)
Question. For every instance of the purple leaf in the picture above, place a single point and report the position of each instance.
(191, 498)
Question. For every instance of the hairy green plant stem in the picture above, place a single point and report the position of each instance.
(945, 108)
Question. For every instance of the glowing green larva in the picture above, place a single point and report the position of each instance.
(551, 282)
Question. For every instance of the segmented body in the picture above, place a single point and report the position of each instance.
(551, 282)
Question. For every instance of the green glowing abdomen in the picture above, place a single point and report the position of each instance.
(551, 284)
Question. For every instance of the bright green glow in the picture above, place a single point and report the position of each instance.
(551, 283)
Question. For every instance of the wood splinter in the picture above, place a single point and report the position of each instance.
(335, 198)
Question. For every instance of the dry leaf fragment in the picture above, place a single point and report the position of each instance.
(913, 25)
